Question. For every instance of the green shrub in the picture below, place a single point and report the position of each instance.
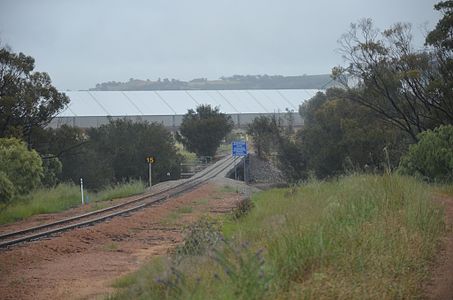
(200, 237)
(242, 208)
(21, 166)
(432, 157)
(52, 169)
(6, 188)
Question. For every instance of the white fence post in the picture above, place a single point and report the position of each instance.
(81, 190)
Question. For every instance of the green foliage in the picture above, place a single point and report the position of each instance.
(441, 40)
(341, 136)
(200, 236)
(21, 166)
(41, 201)
(291, 160)
(203, 130)
(28, 99)
(112, 153)
(123, 146)
(242, 208)
(6, 188)
(358, 237)
(409, 88)
(441, 36)
(263, 131)
(120, 190)
(52, 170)
(244, 270)
(62, 197)
(432, 157)
(69, 145)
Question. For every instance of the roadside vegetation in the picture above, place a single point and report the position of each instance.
(62, 197)
(362, 236)
(359, 220)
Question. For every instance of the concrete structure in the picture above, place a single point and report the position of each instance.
(95, 108)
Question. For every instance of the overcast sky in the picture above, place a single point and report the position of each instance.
(84, 42)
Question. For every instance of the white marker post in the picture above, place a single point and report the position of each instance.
(150, 174)
(81, 190)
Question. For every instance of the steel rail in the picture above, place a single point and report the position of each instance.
(159, 196)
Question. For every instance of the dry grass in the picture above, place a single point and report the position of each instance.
(361, 237)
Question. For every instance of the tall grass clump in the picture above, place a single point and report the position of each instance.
(359, 237)
(42, 201)
(120, 190)
(62, 197)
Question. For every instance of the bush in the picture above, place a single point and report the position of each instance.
(200, 237)
(52, 169)
(432, 157)
(242, 208)
(22, 167)
(6, 188)
(112, 153)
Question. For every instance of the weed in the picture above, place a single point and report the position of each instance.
(204, 201)
(184, 210)
(245, 270)
(242, 208)
(112, 246)
(200, 236)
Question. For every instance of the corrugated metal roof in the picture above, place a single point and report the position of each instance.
(136, 103)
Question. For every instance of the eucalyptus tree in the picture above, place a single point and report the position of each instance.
(27, 98)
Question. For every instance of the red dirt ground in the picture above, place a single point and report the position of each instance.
(83, 263)
(441, 285)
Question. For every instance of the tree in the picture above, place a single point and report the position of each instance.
(432, 157)
(441, 40)
(124, 145)
(27, 99)
(391, 78)
(263, 131)
(22, 167)
(340, 135)
(202, 131)
(111, 153)
(52, 170)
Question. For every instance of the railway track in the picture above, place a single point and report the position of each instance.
(45, 230)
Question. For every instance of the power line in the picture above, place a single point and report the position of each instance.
(228, 101)
(163, 100)
(132, 102)
(286, 99)
(103, 108)
(256, 100)
(187, 92)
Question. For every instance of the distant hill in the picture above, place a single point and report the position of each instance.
(235, 82)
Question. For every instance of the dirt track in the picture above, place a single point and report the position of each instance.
(82, 263)
(441, 285)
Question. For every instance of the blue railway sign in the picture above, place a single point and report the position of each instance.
(239, 148)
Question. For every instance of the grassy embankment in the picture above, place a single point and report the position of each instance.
(65, 196)
(62, 197)
(358, 237)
